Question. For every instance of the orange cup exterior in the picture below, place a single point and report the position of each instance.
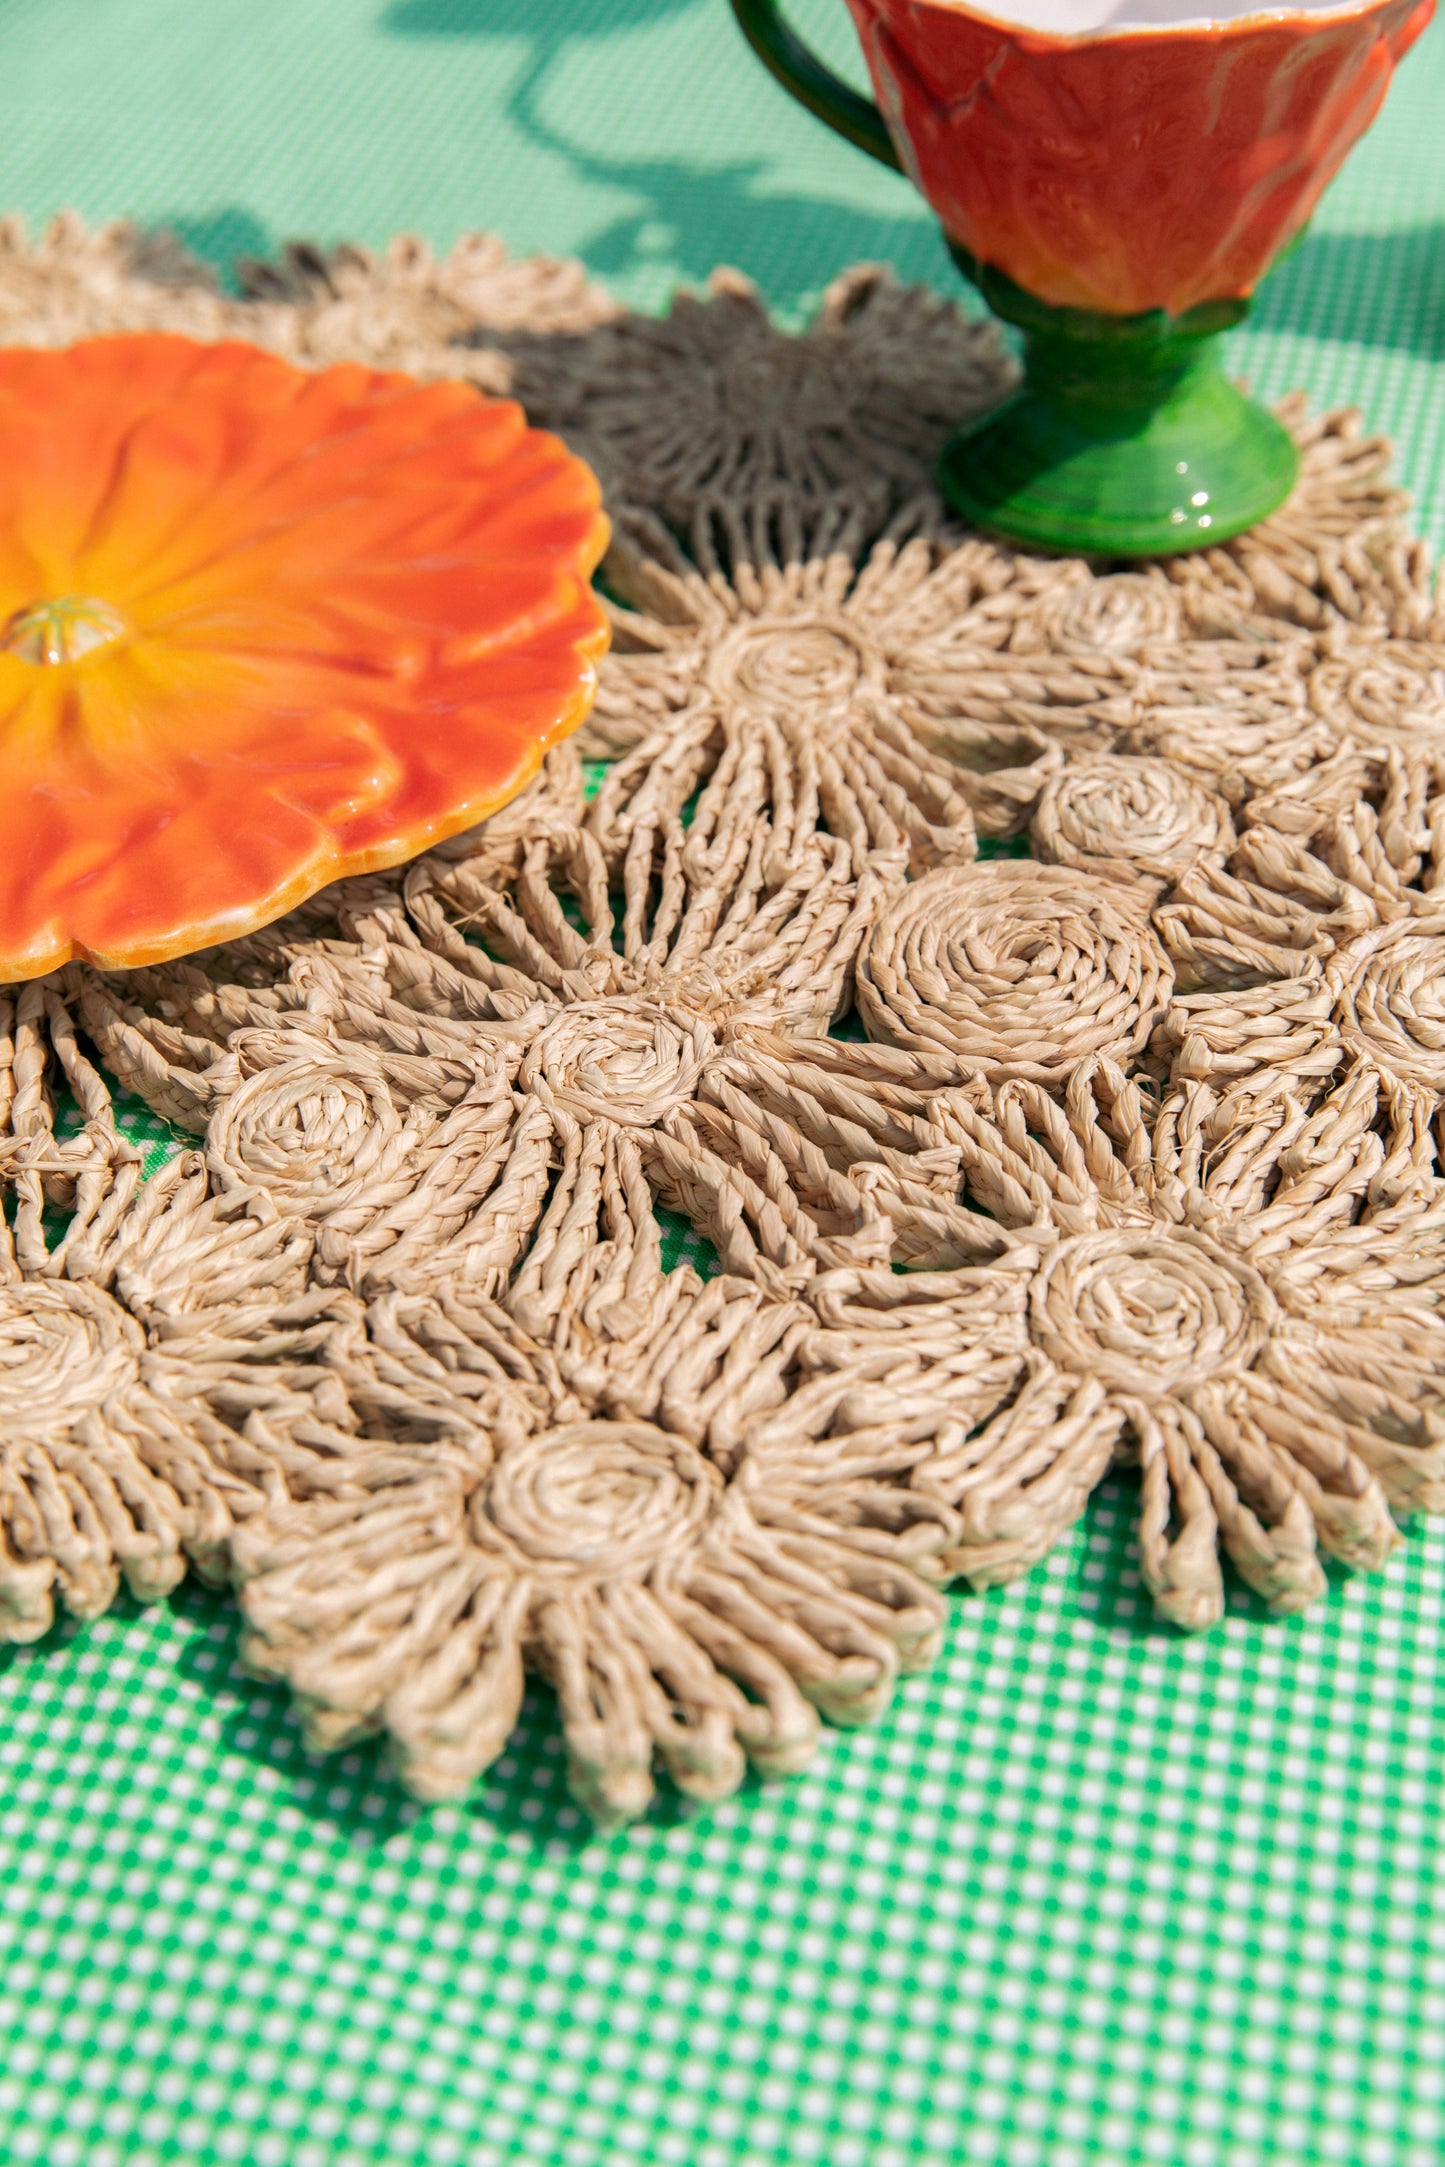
(1121, 171)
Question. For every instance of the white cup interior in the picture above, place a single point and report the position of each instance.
(1078, 18)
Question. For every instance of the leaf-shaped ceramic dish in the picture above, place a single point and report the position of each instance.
(261, 628)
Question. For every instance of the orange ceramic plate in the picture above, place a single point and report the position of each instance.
(261, 628)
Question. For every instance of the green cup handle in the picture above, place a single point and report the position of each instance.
(783, 53)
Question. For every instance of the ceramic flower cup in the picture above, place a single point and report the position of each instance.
(1115, 176)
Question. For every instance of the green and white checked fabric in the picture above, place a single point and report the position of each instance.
(1092, 1895)
(1089, 1894)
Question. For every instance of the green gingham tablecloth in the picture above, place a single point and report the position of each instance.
(1093, 1893)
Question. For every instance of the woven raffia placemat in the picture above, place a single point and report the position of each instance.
(1091, 1892)
(1008, 1170)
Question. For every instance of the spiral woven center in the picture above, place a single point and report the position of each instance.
(1016, 969)
(1149, 1310)
(601, 1497)
(618, 1059)
(1140, 813)
(762, 385)
(814, 663)
(1396, 699)
(64, 1349)
(1390, 993)
(1118, 614)
(310, 1133)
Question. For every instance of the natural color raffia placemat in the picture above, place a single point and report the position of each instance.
(1011, 1168)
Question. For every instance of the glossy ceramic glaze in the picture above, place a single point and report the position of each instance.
(261, 628)
(1126, 438)
(1105, 157)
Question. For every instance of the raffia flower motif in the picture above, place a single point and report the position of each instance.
(844, 663)
(403, 309)
(617, 1061)
(681, 1612)
(1013, 969)
(113, 1463)
(1117, 614)
(742, 934)
(221, 616)
(714, 400)
(400, 309)
(72, 282)
(1211, 1287)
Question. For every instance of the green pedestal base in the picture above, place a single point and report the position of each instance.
(1126, 440)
